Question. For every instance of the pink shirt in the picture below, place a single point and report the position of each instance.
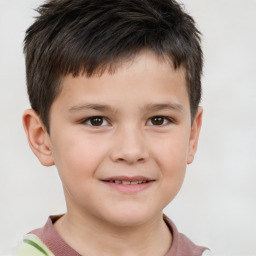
(181, 245)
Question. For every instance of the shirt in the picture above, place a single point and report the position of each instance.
(46, 241)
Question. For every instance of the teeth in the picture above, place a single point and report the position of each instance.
(126, 182)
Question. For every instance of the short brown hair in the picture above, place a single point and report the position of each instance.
(90, 36)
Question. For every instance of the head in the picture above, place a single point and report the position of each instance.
(115, 88)
(91, 37)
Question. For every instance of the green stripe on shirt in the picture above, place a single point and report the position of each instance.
(38, 247)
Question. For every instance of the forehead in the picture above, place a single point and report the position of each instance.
(143, 79)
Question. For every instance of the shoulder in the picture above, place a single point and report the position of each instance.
(182, 245)
(32, 246)
(187, 247)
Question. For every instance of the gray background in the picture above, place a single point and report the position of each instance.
(217, 205)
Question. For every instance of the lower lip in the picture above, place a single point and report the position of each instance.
(129, 189)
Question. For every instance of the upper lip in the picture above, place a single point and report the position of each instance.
(127, 178)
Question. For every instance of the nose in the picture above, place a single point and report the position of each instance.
(129, 146)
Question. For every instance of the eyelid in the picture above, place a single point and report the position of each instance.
(167, 120)
(88, 119)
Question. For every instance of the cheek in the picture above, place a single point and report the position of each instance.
(77, 161)
(171, 152)
(171, 157)
(77, 155)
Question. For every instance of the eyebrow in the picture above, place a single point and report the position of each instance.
(148, 108)
(163, 106)
(98, 107)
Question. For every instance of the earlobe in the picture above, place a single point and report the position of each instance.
(38, 137)
(194, 135)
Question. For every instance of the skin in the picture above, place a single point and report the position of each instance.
(127, 140)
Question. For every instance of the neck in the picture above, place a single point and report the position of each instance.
(89, 235)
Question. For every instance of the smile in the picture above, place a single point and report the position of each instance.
(129, 185)
(126, 182)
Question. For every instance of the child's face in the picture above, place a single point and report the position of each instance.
(133, 125)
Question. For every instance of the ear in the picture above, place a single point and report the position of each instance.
(38, 138)
(194, 135)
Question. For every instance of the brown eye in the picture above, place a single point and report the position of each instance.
(96, 121)
(158, 121)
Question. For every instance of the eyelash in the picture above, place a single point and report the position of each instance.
(104, 122)
(89, 120)
(166, 120)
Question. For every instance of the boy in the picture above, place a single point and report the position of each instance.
(114, 88)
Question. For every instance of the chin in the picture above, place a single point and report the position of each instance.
(128, 217)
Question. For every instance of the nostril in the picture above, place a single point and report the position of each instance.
(130, 151)
(130, 160)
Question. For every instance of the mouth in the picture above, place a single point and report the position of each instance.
(126, 182)
(129, 185)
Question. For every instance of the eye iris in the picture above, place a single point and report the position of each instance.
(96, 121)
(158, 120)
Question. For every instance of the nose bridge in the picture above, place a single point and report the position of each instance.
(130, 144)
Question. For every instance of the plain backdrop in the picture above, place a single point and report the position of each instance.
(217, 203)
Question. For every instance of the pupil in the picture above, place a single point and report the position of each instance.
(158, 120)
(97, 121)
